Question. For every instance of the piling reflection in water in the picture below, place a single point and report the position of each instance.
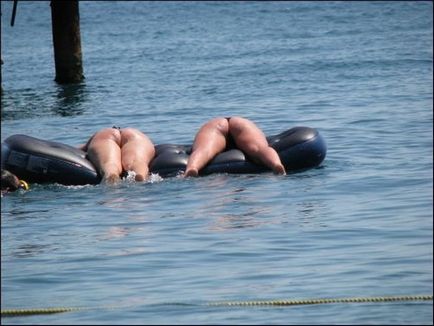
(69, 99)
(63, 100)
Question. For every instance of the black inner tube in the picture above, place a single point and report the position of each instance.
(43, 161)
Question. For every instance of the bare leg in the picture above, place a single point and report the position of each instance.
(209, 141)
(104, 152)
(250, 139)
(137, 152)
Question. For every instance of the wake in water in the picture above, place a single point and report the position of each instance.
(131, 177)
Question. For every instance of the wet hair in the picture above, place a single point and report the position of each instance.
(9, 181)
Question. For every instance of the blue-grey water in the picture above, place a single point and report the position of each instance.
(359, 226)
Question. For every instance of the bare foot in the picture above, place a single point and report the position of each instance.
(279, 169)
(191, 173)
(111, 179)
(139, 177)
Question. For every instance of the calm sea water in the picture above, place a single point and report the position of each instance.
(360, 225)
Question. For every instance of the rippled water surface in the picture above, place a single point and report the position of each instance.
(358, 226)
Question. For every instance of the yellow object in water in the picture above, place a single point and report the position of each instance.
(24, 185)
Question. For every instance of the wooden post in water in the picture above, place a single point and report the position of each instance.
(67, 42)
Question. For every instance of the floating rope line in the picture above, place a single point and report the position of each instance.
(38, 311)
(55, 310)
(320, 301)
